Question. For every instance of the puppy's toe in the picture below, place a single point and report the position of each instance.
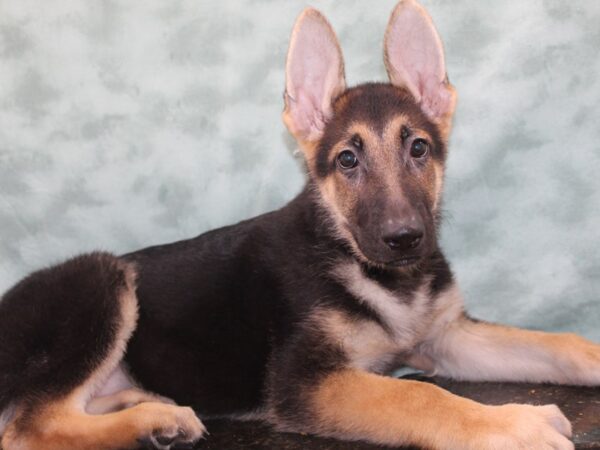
(182, 433)
(162, 440)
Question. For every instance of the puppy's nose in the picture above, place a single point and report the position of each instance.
(404, 238)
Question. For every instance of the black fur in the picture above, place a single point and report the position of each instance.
(215, 310)
(57, 326)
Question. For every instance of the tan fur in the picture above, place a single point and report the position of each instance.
(366, 344)
(463, 349)
(438, 184)
(360, 405)
(357, 405)
(328, 197)
(59, 426)
(389, 143)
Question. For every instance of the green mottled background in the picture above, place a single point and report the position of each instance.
(125, 124)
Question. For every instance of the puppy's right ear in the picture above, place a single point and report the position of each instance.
(314, 76)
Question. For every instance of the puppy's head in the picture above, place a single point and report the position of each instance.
(375, 152)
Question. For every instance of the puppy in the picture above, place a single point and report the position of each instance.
(293, 317)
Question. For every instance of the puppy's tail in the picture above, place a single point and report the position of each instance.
(58, 325)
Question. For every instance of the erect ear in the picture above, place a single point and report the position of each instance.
(414, 59)
(314, 76)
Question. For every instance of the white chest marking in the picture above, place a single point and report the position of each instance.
(408, 319)
(366, 344)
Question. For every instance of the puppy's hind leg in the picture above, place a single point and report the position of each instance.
(63, 331)
(122, 400)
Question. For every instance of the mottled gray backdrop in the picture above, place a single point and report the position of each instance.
(125, 124)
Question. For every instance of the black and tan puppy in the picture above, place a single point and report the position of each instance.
(293, 317)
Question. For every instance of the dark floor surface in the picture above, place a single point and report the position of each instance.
(581, 405)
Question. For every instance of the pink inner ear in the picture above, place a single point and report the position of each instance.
(304, 108)
(437, 99)
(415, 58)
(314, 74)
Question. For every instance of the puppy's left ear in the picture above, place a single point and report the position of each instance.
(414, 59)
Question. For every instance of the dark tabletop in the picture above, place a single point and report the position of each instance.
(581, 405)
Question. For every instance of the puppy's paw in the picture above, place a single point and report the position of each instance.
(179, 429)
(525, 427)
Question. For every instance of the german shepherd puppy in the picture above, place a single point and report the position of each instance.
(292, 317)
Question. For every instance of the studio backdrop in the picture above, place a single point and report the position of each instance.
(127, 124)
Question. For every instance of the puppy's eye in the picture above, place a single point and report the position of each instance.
(419, 148)
(347, 159)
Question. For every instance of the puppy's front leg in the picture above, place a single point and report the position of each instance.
(355, 405)
(471, 350)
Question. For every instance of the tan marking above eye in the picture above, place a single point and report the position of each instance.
(393, 131)
(378, 143)
(368, 139)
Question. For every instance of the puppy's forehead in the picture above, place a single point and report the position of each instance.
(378, 109)
(377, 104)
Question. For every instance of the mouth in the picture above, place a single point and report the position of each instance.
(404, 262)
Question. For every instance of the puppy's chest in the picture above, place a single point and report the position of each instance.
(373, 346)
(403, 322)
